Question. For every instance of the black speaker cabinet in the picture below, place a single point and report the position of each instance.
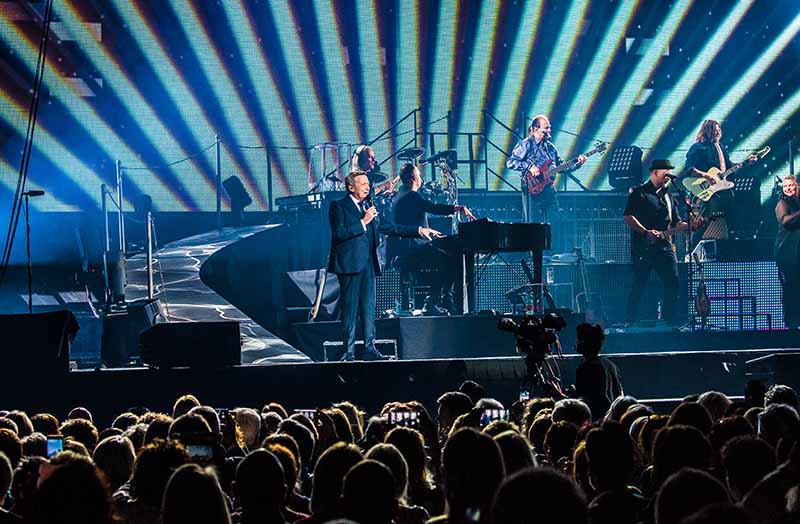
(120, 340)
(192, 344)
(37, 343)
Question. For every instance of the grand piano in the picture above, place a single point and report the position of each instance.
(487, 237)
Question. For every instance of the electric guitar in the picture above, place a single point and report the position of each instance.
(704, 190)
(387, 185)
(702, 304)
(665, 239)
(537, 183)
(548, 297)
(588, 302)
(323, 278)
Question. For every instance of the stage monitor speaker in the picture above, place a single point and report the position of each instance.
(625, 167)
(776, 368)
(192, 344)
(38, 343)
(120, 340)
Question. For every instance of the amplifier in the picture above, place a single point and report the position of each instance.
(736, 250)
(311, 200)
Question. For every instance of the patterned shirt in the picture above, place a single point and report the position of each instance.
(528, 150)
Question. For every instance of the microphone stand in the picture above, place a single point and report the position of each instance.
(28, 253)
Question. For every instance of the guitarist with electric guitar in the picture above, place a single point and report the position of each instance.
(538, 161)
(651, 213)
(708, 167)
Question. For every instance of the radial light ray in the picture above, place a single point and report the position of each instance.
(771, 125)
(513, 82)
(49, 147)
(49, 202)
(75, 105)
(584, 98)
(336, 61)
(182, 95)
(309, 104)
(156, 131)
(244, 127)
(617, 115)
(268, 99)
(751, 76)
(674, 100)
(376, 105)
(551, 81)
(478, 75)
(152, 83)
(441, 88)
(408, 76)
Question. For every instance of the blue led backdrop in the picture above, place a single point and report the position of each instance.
(151, 83)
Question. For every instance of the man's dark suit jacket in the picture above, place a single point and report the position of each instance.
(352, 247)
(409, 208)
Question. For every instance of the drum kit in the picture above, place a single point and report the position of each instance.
(433, 190)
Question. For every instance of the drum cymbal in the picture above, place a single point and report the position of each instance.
(410, 153)
(376, 176)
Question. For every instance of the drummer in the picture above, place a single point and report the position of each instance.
(364, 160)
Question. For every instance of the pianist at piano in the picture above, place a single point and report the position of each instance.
(409, 208)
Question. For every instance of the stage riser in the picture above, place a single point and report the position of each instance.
(469, 337)
(430, 337)
(613, 283)
(369, 385)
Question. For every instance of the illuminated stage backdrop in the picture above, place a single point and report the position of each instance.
(151, 83)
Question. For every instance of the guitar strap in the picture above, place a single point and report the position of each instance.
(722, 166)
(668, 201)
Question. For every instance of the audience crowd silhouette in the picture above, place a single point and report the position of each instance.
(542, 460)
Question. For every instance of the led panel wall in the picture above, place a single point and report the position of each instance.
(151, 84)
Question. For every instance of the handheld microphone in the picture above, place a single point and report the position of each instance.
(369, 202)
(33, 193)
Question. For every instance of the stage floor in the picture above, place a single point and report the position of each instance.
(655, 376)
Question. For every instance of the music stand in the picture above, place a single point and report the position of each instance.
(625, 167)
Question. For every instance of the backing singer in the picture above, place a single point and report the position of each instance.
(787, 250)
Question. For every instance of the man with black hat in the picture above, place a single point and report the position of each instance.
(652, 215)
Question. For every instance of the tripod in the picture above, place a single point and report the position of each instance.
(543, 374)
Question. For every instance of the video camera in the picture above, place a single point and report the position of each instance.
(535, 335)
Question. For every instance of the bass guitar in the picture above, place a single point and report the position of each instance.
(704, 190)
(535, 184)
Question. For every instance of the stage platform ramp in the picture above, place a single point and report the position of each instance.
(198, 278)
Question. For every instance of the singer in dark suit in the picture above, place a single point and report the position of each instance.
(412, 209)
(354, 259)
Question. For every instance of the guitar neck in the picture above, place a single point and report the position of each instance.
(388, 183)
(570, 163)
(731, 170)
